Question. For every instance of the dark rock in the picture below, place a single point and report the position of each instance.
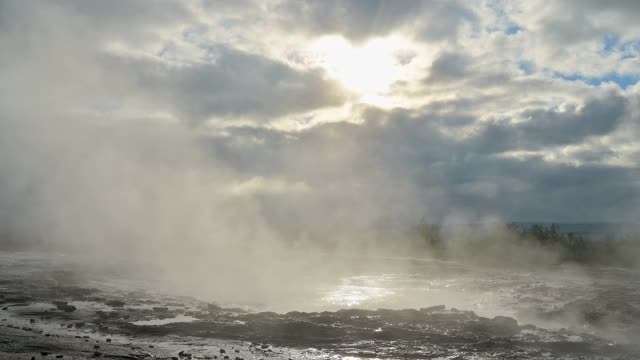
(108, 340)
(355, 313)
(433, 308)
(505, 325)
(115, 303)
(213, 308)
(498, 326)
(66, 308)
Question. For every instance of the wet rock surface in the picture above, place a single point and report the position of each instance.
(37, 318)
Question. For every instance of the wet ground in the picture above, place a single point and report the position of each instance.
(47, 308)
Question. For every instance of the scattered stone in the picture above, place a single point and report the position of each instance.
(433, 308)
(213, 308)
(31, 321)
(498, 326)
(66, 308)
(115, 303)
(108, 340)
(96, 346)
(44, 353)
(222, 351)
(97, 354)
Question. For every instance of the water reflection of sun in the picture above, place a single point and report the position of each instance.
(356, 291)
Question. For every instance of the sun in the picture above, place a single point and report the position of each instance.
(368, 69)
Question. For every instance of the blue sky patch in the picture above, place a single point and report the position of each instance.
(624, 81)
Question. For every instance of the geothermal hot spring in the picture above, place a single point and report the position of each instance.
(386, 307)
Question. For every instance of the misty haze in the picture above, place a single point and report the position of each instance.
(319, 179)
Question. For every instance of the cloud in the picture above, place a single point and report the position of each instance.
(410, 158)
(449, 67)
(354, 19)
(543, 127)
(235, 83)
(150, 99)
(358, 20)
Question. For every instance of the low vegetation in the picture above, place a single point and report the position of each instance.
(613, 248)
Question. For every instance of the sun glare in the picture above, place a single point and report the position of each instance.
(367, 70)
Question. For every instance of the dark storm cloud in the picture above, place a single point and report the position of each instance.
(360, 19)
(224, 82)
(449, 67)
(235, 84)
(544, 127)
(406, 158)
(444, 19)
(354, 19)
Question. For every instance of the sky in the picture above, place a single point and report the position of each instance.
(309, 116)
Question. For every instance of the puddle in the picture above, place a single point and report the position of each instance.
(177, 319)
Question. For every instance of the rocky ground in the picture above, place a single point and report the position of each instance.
(78, 323)
(54, 314)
